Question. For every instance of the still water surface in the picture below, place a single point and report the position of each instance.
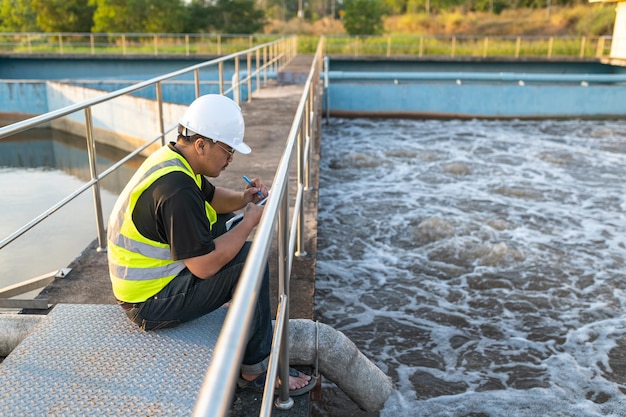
(480, 264)
(37, 170)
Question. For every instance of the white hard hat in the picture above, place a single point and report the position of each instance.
(218, 118)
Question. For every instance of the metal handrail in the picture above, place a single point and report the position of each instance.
(277, 54)
(215, 399)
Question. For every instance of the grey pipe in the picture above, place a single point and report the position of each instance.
(340, 361)
(14, 328)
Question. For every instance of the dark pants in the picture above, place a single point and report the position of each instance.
(188, 297)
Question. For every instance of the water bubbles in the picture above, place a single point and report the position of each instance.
(480, 263)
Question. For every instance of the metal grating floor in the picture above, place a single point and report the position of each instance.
(90, 360)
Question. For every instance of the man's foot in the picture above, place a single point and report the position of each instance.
(299, 383)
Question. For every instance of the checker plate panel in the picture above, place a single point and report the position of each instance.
(90, 360)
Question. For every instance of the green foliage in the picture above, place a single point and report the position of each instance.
(235, 16)
(597, 23)
(64, 15)
(17, 16)
(363, 17)
(115, 16)
(492, 6)
(164, 16)
(138, 16)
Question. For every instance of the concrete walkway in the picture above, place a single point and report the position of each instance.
(268, 119)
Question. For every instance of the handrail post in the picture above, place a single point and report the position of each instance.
(92, 43)
(600, 47)
(159, 95)
(583, 41)
(196, 81)
(283, 288)
(265, 48)
(91, 151)
(249, 76)
(237, 92)
(257, 72)
(300, 252)
(220, 72)
(550, 44)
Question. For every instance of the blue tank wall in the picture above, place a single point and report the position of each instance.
(89, 68)
(398, 88)
(461, 94)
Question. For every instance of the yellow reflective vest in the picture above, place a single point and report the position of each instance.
(140, 267)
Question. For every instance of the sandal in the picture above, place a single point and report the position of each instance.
(258, 384)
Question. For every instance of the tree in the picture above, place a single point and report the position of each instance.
(64, 15)
(17, 16)
(164, 16)
(238, 16)
(138, 16)
(363, 17)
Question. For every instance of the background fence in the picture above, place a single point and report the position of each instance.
(155, 44)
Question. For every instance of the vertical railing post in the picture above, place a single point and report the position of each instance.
(301, 151)
(600, 47)
(265, 49)
(30, 46)
(92, 43)
(61, 43)
(453, 52)
(235, 87)
(257, 72)
(583, 42)
(123, 44)
(155, 41)
(159, 95)
(196, 81)
(283, 288)
(220, 75)
(550, 44)
(485, 46)
(93, 169)
(249, 76)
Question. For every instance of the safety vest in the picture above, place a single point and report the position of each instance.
(140, 267)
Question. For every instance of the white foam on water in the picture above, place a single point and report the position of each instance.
(480, 264)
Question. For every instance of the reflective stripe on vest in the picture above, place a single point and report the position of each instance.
(140, 267)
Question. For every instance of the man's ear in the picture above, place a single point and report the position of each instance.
(200, 144)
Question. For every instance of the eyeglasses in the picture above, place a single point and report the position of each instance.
(230, 152)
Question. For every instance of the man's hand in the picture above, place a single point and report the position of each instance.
(252, 214)
(250, 194)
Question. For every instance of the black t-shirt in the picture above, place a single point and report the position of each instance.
(172, 211)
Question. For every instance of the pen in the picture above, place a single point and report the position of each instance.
(246, 179)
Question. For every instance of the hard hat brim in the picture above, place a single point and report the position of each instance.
(242, 148)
